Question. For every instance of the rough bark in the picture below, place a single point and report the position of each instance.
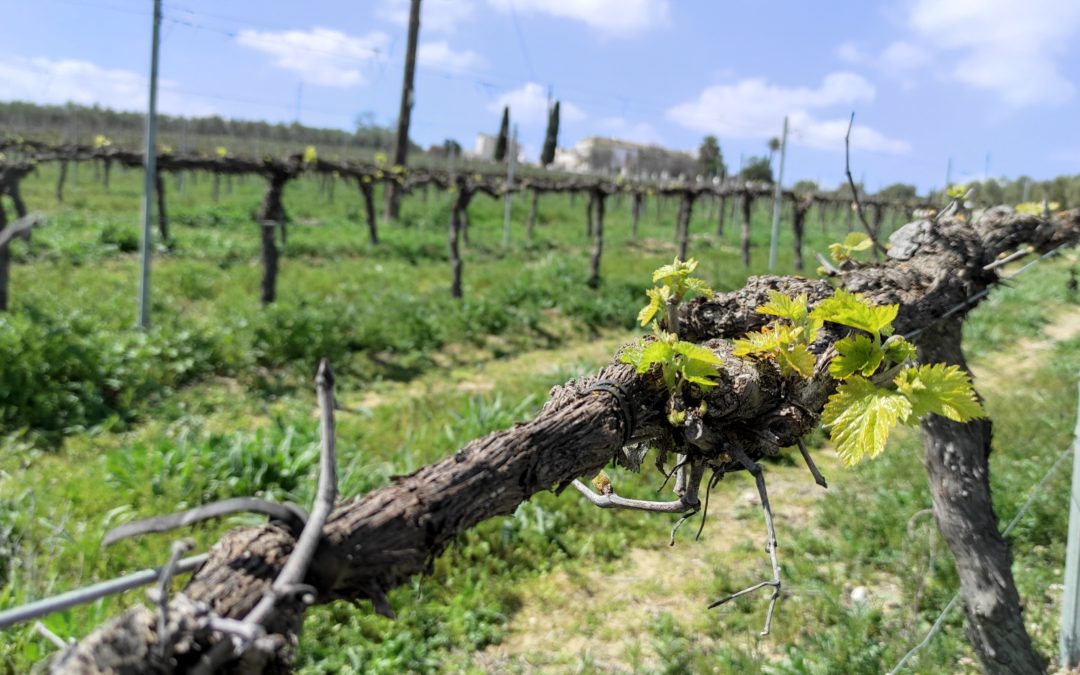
(270, 216)
(380, 540)
(958, 467)
(639, 200)
(12, 188)
(368, 193)
(747, 207)
(530, 223)
(457, 224)
(598, 239)
(401, 139)
(686, 210)
(590, 219)
(5, 263)
(60, 182)
(798, 225)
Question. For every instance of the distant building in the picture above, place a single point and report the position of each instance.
(596, 154)
(484, 148)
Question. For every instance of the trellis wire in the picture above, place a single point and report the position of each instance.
(81, 596)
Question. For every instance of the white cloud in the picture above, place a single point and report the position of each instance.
(1008, 48)
(1012, 50)
(529, 106)
(610, 17)
(44, 80)
(320, 56)
(902, 56)
(755, 108)
(442, 56)
(849, 52)
(436, 16)
(638, 132)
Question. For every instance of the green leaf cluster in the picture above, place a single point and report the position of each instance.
(673, 284)
(787, 339)
(957, 191)
(679, 361)
(878, 389)
(852, 244)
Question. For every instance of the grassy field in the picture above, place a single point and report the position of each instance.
(102, 424)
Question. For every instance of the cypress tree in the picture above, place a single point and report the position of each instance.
(504, 131)
(551, 139)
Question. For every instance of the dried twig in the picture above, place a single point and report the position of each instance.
(290, 514)
(24, 224)
(830, 269)
(1023, 252)
(818, 478)
(854, 191)
(179, 548)
(52, 637)
(289, 580)
(759, 477)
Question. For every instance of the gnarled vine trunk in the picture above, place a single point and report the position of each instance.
(747, 208)
(367, 191)
(598, 238)
(271, 215)
(958, 466)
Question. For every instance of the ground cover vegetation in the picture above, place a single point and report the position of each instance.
(103, 423)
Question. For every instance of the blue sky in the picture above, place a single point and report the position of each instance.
(928, 80)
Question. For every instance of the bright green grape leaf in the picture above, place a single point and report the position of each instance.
(675, 272)
(632, 355)
(785, 307)
(857, 353)
(860, 417)
(956, 191)
(854, 242)
(941, 390)
(658, 298)
(697, 353)
(899, 350)
(852, 309)
(858, 241)
(310, 154)
(698, 286)
(699, 372)
(765, 340)
(798, 359)
(837, 253)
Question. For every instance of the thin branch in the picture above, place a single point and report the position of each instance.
(291, 514)
(713, 480)
(179, 548)
(614, 501)
(296, 567)
(854, 192)
(52, 637)
(1022, 253)
(818, 478)
(759, 477)
(830, 269)
(24, 224)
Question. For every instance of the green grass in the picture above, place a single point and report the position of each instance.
(102, 424)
